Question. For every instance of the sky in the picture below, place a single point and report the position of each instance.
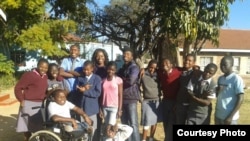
(239, 16)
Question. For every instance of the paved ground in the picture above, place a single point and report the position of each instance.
(8, 115)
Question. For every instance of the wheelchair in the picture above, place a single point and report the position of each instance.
(57, 131)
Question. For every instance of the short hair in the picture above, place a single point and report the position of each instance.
(125, 49)
(111, 63)
(169, 59)
(88, 63)
(230, 58)
(212, 65)
(95, 54)
(57, 91)
(153, 61)
(42, 60)
(190, 55)
(75, 45)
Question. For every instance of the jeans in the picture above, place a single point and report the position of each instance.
(110, 115)
(130, 117)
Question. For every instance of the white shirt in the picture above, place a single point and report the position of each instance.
(190, 87)
(60, 110)
(124, 132)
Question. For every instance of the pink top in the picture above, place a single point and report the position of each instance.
(110, 92)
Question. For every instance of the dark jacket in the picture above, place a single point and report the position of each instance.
(88, 100)
(129, 74)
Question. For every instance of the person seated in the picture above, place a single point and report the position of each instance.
(59, 111)
(117, 132)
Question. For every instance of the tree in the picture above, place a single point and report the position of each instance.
(31, 28)
(194, 21)
(47, 37)
(127, 23)
(162, 26)
(74, 10)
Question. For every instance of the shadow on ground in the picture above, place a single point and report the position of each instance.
(8, 128)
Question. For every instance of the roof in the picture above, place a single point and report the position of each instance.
(71, 38)
(232, 39)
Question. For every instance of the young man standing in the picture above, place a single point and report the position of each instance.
(169, 77)
(71, 67)
(129, 73)
(182, 98)
(230, 93)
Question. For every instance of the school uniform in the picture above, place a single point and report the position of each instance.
(200, 114)
(88, 100)
(151, 110)
(182, 99)
(31, 90)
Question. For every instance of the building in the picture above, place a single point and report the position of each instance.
(27, 60)
(233, 42)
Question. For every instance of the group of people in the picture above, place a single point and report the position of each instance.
(101, 94)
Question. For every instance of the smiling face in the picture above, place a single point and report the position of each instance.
(189, 62)
(88, 70)
(152, 68)
(208, 73)
(60, 98)
(53, 71)
(100, 58)
(42, 68)
(127, 56)
(110, 133)
(166, 65)
(74, 51)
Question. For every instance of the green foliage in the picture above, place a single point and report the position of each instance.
(20, 15)
(47, 37)
(196, 20)
(6, 66)
(6, 81)
(127, 23)
(74, 10)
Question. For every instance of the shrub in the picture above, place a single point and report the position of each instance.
(7, 81)
(6, 66)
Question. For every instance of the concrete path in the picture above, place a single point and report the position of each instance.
(8, 115)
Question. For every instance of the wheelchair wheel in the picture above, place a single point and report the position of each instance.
(44, 135)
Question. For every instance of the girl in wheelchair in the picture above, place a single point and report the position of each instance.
(59, 111)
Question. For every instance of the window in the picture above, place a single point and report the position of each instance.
(204, 61)
(236, 67)
(18, 57)
(248, 65)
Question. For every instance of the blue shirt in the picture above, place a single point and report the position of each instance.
(66, 65)
(230, 87)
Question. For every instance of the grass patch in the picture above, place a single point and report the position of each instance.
(244, 116)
